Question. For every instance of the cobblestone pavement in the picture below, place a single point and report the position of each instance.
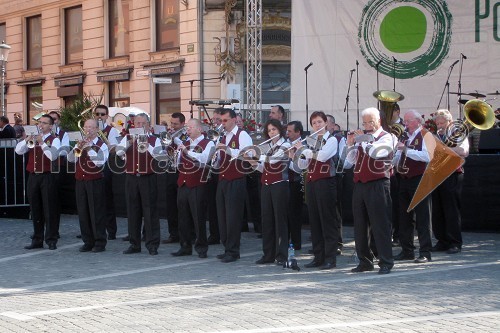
(68, 291)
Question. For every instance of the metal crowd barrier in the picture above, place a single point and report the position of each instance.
(13, 176)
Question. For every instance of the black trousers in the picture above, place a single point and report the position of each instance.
(42, 196)
(296, 203)
(395, 206)
(192, 204)
(274, 205)
(321, 197)
(254, 192)
(372, 210)
(338, 206)
(91, 206)
(230, 204)
(213, 223)
(141, 198)
(110, 215)
(171, 196)
(446, 218)
(407, 188)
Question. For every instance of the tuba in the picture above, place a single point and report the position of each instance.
(478, 114)
(387, 101)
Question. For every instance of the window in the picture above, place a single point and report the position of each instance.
(118, 28)
(3, 32)
(34, 97)
(275, 84)
(34, 42)
(167, 24)
(168, 99)
(119, 93)
(73, 35)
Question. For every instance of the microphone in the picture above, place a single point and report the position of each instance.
(378, 63)
(456, 62)
(394, 59)
(463, 55)
(307, 67)
(357, 63)
(353, 70)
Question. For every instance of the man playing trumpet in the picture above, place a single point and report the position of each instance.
(141, 187)
(90, 154)
(42, 151)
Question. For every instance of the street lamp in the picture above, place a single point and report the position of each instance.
(4, 55)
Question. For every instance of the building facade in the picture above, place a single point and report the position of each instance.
(156, 55)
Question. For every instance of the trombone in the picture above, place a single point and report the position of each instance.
(260, 144)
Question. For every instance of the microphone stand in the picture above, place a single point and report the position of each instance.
(462, 57)
(446, 88)
(357, 90)
(376, 68)
(191, 82)
(346, 106)
(307, 100)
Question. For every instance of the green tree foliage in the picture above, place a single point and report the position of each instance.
(71, 115)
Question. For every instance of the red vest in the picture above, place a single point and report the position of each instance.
(274, 173)
(37, 161)
(319, 170)
(409, 168)
(230, 170)
(85, 168)
(369, 169)
(190, 172)
(139, 163)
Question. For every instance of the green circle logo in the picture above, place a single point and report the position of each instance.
(415, 32)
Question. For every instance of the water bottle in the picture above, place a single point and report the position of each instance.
(291, 253)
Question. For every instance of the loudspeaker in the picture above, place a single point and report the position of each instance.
(489, 141)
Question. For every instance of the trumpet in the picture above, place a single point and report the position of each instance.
(142, 143)
(82, 144)
(31, 141)
(215, 133)
(167, 138)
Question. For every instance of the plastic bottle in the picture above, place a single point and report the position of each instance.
(291, 253)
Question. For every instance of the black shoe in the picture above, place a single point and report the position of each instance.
(439, 247)
(111, 237)
(52, 246)
(422, 260)
(220, 256)
(34, 246)
(153, 252)
(453, 250)
(360, 268)
(97, 249)
(229, 258)
(79, 236)
(182, 252)
(313, 264)
(339, 252)
(263, 261)
(213, 241)
(170, 240)
(202, 255)
(126, 238)
(384, 270)
(85, 248)
(131, 250)
(395, 243)
(404, 256)
(327, 265)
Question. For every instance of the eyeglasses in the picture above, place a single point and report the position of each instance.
(225, 120)
(45, 123)
(371, 122)
(100, 114)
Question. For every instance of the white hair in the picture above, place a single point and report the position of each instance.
(374, 112)
(415, 114)
(444, 114)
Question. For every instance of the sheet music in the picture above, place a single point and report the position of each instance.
(31, 130)
(75, 136)
(136, 131)
(159, 128)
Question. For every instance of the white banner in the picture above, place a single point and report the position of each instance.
(417, 41)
